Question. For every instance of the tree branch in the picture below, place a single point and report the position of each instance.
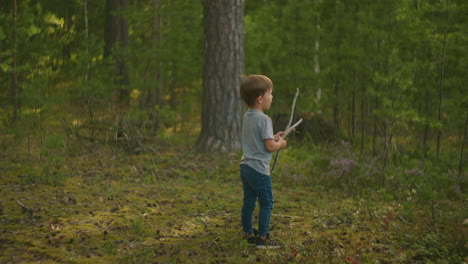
(288, 128)
(291, 129)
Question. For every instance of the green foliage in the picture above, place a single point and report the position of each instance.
(429, 250)
(53, 165)
(375, 64)
(166, 115)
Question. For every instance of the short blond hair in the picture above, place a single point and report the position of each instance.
(254, 86)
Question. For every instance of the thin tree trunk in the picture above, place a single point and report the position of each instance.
(376, 104)
(173, 93)
(363, 108)
(355, 78)
(387, 88)
(157, 28)
(363, 131)
(425, 111)
(336, 120)
(441, 83)
(463, 143)
(85, 6)
(317, 62)
(156, 86)
(353, 106)
(14, 85)
(426, 125)
(386, 159)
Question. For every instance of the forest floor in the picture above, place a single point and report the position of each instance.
(104, 205)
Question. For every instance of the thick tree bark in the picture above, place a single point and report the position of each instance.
(224, 64)
(116, 32)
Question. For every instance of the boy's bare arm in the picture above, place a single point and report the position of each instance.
(272, 145)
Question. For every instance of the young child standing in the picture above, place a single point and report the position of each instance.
(258, 144)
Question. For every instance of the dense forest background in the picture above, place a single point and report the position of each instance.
(113, 92)
(379, 74)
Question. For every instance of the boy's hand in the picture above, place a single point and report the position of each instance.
(282, 141)
(275, 144)
(278, 135)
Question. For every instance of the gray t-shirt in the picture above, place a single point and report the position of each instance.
(256, 127)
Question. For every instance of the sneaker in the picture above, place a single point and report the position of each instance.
(266, 243)
(252, 240)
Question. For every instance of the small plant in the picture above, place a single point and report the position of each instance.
(109, 248)
(344, 172)
(143, 256)
(138, 227)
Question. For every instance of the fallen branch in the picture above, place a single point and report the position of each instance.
(213, 241)
(25, 208)
(286, 216)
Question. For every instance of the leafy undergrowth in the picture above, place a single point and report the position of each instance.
(175, 206)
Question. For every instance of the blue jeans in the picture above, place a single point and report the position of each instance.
(256, 186)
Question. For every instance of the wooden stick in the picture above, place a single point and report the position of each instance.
(291, 129)
(293, 107)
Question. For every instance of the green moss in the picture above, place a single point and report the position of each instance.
(174, 207)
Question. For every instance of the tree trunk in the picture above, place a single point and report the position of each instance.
(317, 63)
(156, 35)
(463, 143)
(363, 108)
(441, 83)
(363, 127)
(336, 121)
(385, 162)
(116, 32)
(355, 78)
(374, 133)
(155, 90)
(353, 106)
(336, 118)
(14, 84)
(85, 7)
(426, 124)
(223, 66)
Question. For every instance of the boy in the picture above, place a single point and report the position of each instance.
(258, 143)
